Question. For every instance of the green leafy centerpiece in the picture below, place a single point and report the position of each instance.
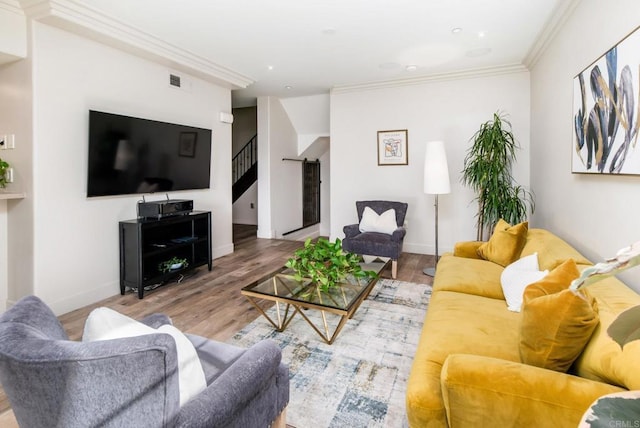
(326, 264)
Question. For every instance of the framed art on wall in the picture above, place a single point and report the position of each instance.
(392, 147)
(606, 112)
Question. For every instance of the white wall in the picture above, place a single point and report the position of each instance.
(596, 214)
(325, 194)
(75, 258)
(245, 209)
(451, 111)
(13, 32)
(245, 126)
(277, 140)
(15, 118)
(309, 116)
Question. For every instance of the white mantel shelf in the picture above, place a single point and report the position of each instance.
(8, 195)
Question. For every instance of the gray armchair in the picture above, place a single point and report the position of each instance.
(132, 382)
(373, 243)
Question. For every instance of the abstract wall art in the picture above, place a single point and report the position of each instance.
(392, 147)
(606, 112)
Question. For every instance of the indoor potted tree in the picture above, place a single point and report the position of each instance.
(487, 170)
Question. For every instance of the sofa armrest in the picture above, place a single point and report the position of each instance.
(351, 230)
(484, 391)
(398, 234)
(467, 249)
(229, 395)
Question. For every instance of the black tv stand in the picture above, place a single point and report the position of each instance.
(147, 243)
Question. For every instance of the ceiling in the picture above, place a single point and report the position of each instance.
(294, 48)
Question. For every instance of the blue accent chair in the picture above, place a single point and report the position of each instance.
(373, 243)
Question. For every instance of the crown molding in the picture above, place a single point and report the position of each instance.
(430, 78)
(559, 16)
(71, 15)
(11, 6)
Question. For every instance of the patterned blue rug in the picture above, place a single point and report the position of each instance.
(360, 380)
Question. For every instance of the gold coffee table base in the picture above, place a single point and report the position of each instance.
(292, 296)
(283, 320)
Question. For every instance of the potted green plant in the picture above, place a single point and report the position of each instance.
(325, 263)
(174, 263)
(487, 170)
(4, 166)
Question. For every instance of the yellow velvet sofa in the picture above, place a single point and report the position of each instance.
(467, 370)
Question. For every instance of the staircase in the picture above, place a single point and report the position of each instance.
(244, 168)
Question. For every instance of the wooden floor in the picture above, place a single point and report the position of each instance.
(209, 303)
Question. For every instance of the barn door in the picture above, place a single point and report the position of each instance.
(310, 193)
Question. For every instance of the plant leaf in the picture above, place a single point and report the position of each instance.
(626, 328)
(613, 410)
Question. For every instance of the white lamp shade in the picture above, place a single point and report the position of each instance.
(436, 170)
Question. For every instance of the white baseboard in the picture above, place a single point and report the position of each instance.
(304, 234)
(87, 297)
(409, 247)
(223, 250)
(265, 234)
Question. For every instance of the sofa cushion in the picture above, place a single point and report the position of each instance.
(551, 249)
(470, 276)
(556, 322)
(557, 280)
(105, 324)
(603, 359)
(489, 392)
(383, 223)
(517, 276)
(456, 323)
(506, 243)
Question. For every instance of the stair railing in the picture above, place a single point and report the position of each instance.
(245, 159)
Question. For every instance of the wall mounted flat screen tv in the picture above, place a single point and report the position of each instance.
(129, 155)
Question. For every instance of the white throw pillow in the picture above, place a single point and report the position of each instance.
(383, 223)
(515, 278)
(105, 324)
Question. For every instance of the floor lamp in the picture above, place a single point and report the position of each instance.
(436, 182)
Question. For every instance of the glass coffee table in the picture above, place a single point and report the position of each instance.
(291, 297)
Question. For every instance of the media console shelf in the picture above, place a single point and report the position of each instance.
(148, 244)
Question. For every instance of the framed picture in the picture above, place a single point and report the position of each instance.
(392, 147)
(606, 112)
(187, 144)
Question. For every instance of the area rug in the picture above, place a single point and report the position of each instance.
(360, 380)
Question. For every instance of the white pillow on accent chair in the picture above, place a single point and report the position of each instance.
(517, 276)
(383, 223)
(105, 324)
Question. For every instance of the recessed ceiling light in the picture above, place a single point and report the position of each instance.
(270, 67)
(329, 31)
(288, 87)
(456, 30)
(481, 34)
(411, 67)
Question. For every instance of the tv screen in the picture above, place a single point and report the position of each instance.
(129, 155)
